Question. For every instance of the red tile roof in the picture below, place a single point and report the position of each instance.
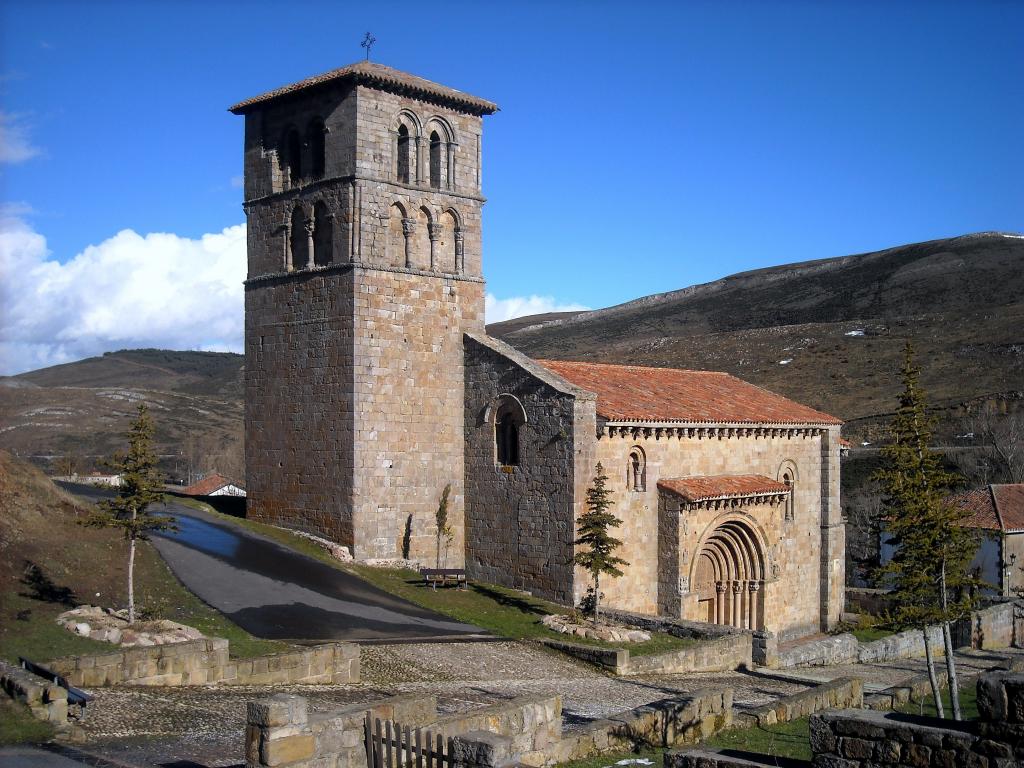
(639, 394)
(379, 76)
(993, 508)
(1010, 503)
(705, 488)
(207, 485)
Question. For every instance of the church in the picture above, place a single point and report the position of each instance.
(371, 387)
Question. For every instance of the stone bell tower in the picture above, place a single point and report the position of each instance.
(363, 198)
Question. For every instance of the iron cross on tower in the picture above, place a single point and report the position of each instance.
(367, 43)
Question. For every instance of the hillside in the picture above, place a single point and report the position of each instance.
(69, 417)
(829, 333)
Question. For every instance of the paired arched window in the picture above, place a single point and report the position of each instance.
(323, 235)
(636, 470)
(787, 476)
(509, 418)
(299, 239)
(317, 134)
(403, 154)
(435, 160)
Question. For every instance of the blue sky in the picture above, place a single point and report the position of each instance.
(641, 147)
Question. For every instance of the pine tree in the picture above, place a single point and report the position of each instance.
(598, 544)
(141, 486)
(929, 569)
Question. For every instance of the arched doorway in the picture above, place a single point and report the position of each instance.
(729, 577)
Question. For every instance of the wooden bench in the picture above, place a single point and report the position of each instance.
(444, 576)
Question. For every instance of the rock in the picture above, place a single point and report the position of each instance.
(83, 629)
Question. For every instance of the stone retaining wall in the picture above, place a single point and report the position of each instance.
(728, 758)
(526, 730)
(206, 661)
(696, 630)
(860, 739)
(903, 645)
(992, 627)
(46, 701)
(667, 723)
(843, 692)
(834, 649)
(873, 602)
(280, 731)
(722, 654)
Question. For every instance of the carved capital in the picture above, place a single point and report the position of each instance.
(720, 587)
(434, 231)
(310, 226)
(458, 236)
(408, 226)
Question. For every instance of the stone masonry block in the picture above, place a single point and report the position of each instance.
(290, 749)
(278, 710)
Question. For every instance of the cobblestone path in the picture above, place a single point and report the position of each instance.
(204, 725)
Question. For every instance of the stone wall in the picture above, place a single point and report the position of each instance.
(834, 649)
(46, 701)
(520, 520)
(663, 545)
(843, 692)
(873, 602)
(722, 654)
(206, 661)
(667, 723)
(280, 731)
(993, 627)
(860, 739)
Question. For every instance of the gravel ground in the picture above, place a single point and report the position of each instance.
(203, 726)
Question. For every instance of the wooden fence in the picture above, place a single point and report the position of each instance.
(392, 746)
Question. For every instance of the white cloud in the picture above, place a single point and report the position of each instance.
(496, 310)
(158, 290)
(15, 146)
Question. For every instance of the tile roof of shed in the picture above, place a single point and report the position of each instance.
(709, 487)
(641, 394)
(378, 76)
(993, 508)
(207, 485)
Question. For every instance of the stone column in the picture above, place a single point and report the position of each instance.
(720, 617)
(408, 227)
(460, 260)
(419, 158)
(737, 599)
(285, 255)
(754, 587)
(451, 164)
(310, 227)
(434, 232)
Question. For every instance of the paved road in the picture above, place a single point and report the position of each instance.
(274, 592)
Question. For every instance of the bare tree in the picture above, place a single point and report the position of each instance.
(1002, 440)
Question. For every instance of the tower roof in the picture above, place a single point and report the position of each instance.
(378, 76)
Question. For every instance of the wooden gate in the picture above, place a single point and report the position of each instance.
(390, 745)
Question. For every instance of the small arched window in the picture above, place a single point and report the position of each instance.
(299, 239)
(435, 160)
(323, 235)
(403, 154)
(636, 471)
(293, 156)
(317, 148)
(787, 476)
(509, 417)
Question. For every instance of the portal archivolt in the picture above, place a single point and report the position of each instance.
(729, 577)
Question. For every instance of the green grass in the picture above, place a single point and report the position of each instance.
(792, 739)
(968, 704)
(870, 634)
(504, 612)
(17, 726)
(36, 634)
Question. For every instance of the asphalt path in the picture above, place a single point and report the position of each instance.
(274, 592)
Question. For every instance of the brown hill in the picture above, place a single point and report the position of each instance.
(70, 417)
(829, 333)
